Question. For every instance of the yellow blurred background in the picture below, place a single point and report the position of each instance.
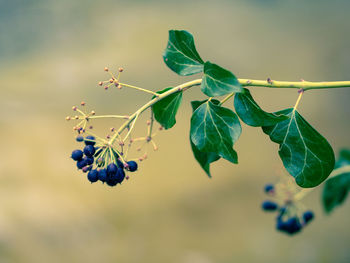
(52, 56)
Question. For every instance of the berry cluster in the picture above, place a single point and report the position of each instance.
(108, 168)
(289, 219)
(104, 157)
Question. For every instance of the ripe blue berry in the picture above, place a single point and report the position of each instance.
(81, 164)
(281, 226)
(93, 176)
(132, 166)
(89, 150)
(89, 160)
(102, 175)
(293, 225)
(120, 175)
(77, 155)
(269, 188)
(111, 180)
(90, 140)
(269, 205)
(308, 216)
(79, 138)
(112, 169)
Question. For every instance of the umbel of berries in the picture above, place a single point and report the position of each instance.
(288, 219)
(108, 168)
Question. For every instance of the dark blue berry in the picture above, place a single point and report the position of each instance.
(269, 188)
(120, 175)
(282, 226)
(112, 169)
(102, 175)
(77, 155)
(93, 176)
(293, 225)
(308, 216)
(79, 138)
(132, 166)
(111, 181)
(81, 164)
(269, 205)
(89, 150)
(89, 160)
(90, 140)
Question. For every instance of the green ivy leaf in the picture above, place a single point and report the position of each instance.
(165, 110)
(214, 129)
(181, 55)
(251, 114)
(336, 188)
(305, 153)
(203, 158)
(218, 81)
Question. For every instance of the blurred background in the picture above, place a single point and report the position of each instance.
(52, 54)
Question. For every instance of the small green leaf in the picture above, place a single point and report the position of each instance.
(218, 81)
(181, 55)
(165, 110)
(203, 158)
(305, 153)
(344, 158)
(336, 188)
(251, 114)
(335, 191)
(215, 129)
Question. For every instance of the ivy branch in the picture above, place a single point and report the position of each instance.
(299, 85)
(304, 152)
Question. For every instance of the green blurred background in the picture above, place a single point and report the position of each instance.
(52, 54)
